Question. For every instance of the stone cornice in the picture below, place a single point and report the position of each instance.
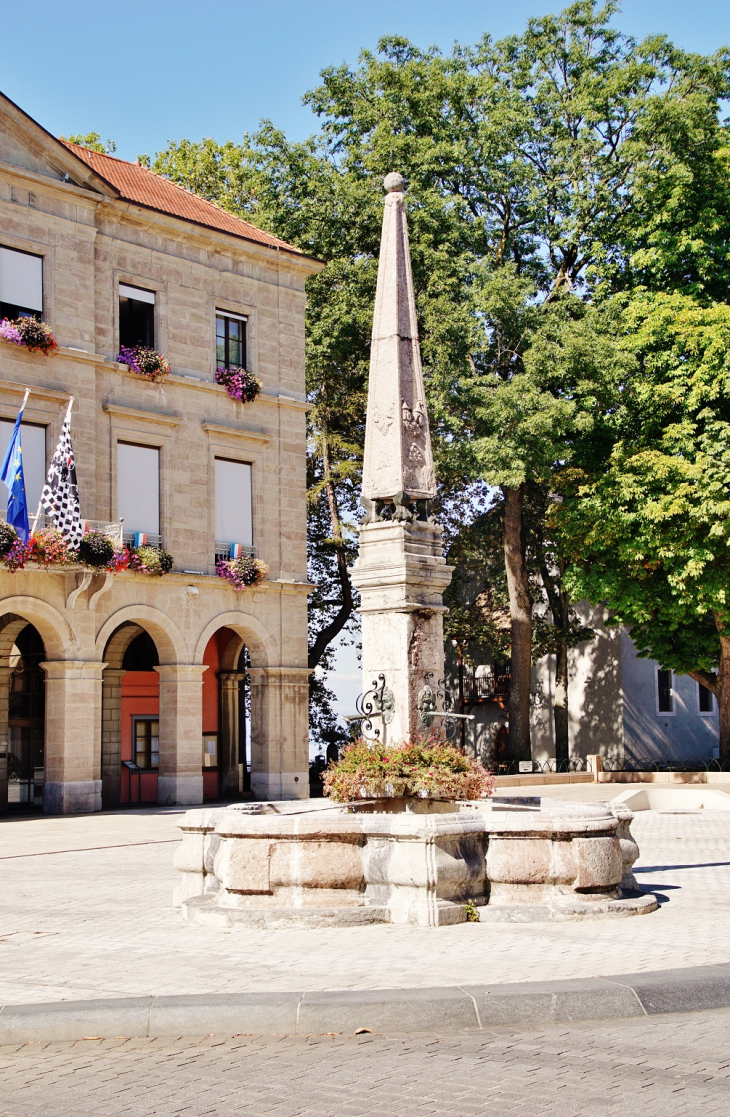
(241, 434)
(36, 391)
(160, 418)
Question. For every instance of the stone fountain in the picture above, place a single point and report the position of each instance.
(315, 863)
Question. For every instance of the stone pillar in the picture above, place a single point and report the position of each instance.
(180, 777)
(230, 714)
(280, 732)
(73, 736)
(5, 673)
(111, 736)
(401, 575)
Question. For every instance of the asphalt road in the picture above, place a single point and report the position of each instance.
(662, 1066)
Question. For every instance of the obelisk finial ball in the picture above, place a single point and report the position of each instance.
(393, 182)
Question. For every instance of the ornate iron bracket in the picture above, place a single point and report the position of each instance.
(430, 695)
(374, 705)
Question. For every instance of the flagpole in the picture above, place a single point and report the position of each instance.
(40, 502)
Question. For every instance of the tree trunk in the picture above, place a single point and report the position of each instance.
(560, 609)
(332, 630)
(723, 700)
(520, 604)
(560, 708)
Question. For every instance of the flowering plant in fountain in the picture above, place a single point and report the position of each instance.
(242, 572)
(34, 335)
(425, 768)
(145, 362)
(239, 383)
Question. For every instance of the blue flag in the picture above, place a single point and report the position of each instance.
(11, 473)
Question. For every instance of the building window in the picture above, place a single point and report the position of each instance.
(147, 744)
(21, 284)
(233, 523)
(136, 317)
(33, 439)
(705, 701)
(230, 340)
(138, 489)
(665, 691)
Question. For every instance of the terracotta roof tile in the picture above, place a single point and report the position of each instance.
(145, 188)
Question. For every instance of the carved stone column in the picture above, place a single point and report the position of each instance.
(230, 730)
(180, 777)
(111, 736)
(401, 575)
(73, 736)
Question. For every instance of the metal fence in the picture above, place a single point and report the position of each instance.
(579, 764)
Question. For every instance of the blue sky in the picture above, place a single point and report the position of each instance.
(146, 71)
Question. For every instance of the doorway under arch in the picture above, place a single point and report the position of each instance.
(226, 717)
(21, 654)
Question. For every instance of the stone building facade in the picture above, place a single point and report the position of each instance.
(119, 688)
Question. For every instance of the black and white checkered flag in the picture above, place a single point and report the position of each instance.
(60, 496)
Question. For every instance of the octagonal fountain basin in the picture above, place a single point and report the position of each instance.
(313, 863)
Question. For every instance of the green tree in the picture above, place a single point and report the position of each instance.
(545, 170)
(646, 521)
(93, 141)
(537, 148)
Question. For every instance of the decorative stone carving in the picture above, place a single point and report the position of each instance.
(398, 457)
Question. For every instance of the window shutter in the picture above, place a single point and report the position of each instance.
(233, 502)
(21, 279)
(138, 487)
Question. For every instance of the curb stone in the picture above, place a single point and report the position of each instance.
(440, 1009)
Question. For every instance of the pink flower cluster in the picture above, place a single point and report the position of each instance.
(145, 362)
(9, 332)
(239, 383)
(242, 572)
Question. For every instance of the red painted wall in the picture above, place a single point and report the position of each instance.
(140, 698)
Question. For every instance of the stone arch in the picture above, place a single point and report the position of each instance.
(118, 643)
(232, 652)
(56, 633)
(171, 646)
(259, 641)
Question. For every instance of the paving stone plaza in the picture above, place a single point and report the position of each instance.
(87, 915)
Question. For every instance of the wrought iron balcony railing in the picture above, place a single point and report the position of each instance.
(485, 688)
(223, 551)
(130, 538)
(113, 529)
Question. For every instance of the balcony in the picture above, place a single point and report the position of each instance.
(113, 529)
(223, 551)
(486, 688)
(151, 540)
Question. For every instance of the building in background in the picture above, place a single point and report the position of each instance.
(626, 709)
(127, 687)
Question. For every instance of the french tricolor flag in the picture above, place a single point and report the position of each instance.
(236, 550)
(140, 539)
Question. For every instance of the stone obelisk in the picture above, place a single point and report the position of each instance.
(400, 570)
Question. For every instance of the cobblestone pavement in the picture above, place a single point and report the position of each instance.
(95, 920)
(661, 1067)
